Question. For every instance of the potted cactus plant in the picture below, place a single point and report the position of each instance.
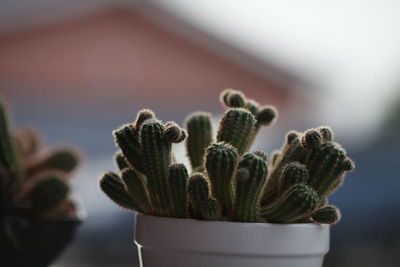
(234, 208)
(37, 217)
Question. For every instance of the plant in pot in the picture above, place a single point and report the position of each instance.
(235, 208)
(37, 217)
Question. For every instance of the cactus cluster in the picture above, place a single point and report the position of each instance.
(226, 181)
(34, 196)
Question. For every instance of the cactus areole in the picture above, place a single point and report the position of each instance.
(228, 181)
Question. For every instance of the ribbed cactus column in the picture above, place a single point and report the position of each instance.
(291, 151)
(121, 161)
(250, 182)
(199, 191)
(199, 129)
(326, 215)
(293, 173)
(327, 164)
(221, 162)
(236, 128)
(295, 204)
(156, 152)
(128, 140)
(136, 185)
(114, 188)
(178, 180)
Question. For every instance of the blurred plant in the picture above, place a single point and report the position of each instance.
(37, 219)
(227, 182)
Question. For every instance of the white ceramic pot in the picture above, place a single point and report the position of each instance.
(191, 243)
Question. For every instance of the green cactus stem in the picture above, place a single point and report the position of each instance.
(326, 215)
(236, 128)
(327, 166)
(293, 173)
(63, 159)
(311, 139)
(221, 162)
(211, 210)
(232, 98)
(173, 133)
(251, 178)
(114, 188)
(121, 161)
(156, 151)
(178, 180)
(199, 129)
(199, 191)
(291, 151)
(48, 193)
(128, 140)
(136, 185)
(142, 116)
(294, 204)
(326, 133)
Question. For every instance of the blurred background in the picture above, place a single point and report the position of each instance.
(77, 70)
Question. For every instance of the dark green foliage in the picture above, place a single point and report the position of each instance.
(199, 129)
(326, 215)
(294, 204)
(115, 189)
(136, 185)
(226, 182)
(178, 180)
(221, 162)
(236, 128)
(250, 181)
(293, 173)
(48, 193)
(199, 191)
(210, 209)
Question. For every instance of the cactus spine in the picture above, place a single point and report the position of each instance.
(199, 129)
(293, 173)
(136, 185)
(236, 128)
(221, 162)
(178, 179)
(199, 191)
(250, 181)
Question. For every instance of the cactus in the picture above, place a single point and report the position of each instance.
(327, 164)
(136, 185)
(250, 181)
(237, 128)
(291, 151)
(226, 183)
(34, 197)
(199, 191)
(114, 188)
(293, 173)
(199, 130)
(326, 215)
(294, 204)
(210, 209)
(221, 162)
(48, 193)
(178, 179)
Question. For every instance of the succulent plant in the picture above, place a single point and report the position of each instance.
(227, 182)
(34, 206)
